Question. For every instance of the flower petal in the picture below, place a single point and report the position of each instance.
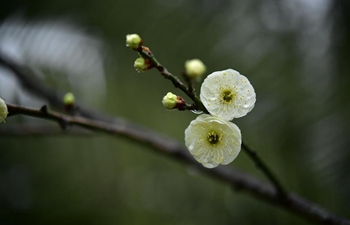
(213, 141)
(227, 94)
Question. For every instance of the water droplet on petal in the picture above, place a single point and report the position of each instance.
(197, 111)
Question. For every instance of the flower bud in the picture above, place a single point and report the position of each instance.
(194, 68)
(142, 64)
(69, 99)
(133, 41)
(3, 110)
(170, 101)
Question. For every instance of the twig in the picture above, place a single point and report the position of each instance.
(264, 168)
(31, 130)
(189, 81)
(30, 82)
(145, 52)
(238, 180)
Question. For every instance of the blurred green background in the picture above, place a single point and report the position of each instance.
(295, 53)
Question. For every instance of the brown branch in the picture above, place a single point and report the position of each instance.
(264, 168)
(160, 144)
(190, 84)
(171, 148)
(29, 81)
(146, 53)
(32, 130)
(190, 91)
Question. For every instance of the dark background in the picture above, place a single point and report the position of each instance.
(295, 53)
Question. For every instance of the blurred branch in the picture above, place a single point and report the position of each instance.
(169, 147)
(29, 81)
(264, 168)
(161, 144)
(190, 92)
(30, 130)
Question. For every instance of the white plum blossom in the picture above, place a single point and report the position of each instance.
(227, 94)
(213, 141)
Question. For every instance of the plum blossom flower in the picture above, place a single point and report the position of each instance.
(213, 141)
(227, 94)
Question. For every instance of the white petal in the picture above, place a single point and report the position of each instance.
(216, 83)
(211, 155)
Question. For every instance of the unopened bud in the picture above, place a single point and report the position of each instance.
(194, 68)
(3, 110)
(170, 101)
(142, 64)
(133, 41)
(69, 99)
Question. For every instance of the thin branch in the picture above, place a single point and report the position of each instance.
(27, 77)
(263, 167)
(190, 84)
(160, 144)
(171, 148)
(146, 52)
(32, 130)
(29, 81)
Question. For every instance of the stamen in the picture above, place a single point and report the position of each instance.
(227, 96)
(214, 137)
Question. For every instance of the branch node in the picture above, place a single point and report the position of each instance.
(44, 109)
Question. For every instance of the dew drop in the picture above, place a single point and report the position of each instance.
(197, 111)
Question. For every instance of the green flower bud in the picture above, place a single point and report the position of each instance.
(195, 68)
(133, 41)
(3, 110)
(69, 99)
(169, 101)
(142, 65)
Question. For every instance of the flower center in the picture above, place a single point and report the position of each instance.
(227, 96)
(213, 137)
